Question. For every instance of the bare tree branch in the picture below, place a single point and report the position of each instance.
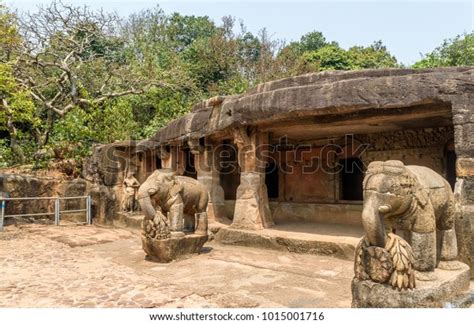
(76, 57)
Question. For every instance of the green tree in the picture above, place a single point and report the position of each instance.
(374, 56)
(329, 57)
(458, 51)
(184, 30)
(155, 49)
(72, 57)
(9, 36)
(17, 112)
(74, 76)
(312, 41)
(333, 57)
(16, 107)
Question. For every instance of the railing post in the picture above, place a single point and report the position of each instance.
(88, 210)
(56, 211)
(2, 212)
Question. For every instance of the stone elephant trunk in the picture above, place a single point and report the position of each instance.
(372, 220)
(145, 204)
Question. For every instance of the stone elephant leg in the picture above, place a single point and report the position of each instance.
(449, 246)
(424, 251)
(447, 240)
(201, 223)
(448, 249)
(176, 216)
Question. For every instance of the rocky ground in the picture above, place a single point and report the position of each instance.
(90, 266)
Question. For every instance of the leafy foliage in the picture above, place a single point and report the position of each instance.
(17, 116)
(458, 51)
(9, 36)
(329, 57)
(17, 103)
(372, 57)
(71, 76)
(333, 57)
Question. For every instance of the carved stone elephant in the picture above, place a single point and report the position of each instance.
(414, 202)
(175, 196)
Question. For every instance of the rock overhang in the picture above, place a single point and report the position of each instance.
(313, 96)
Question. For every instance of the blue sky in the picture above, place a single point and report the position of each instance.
(407, 28)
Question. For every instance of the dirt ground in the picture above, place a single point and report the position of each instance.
(90, 266)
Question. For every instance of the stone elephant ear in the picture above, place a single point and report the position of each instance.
(421, 196)
(176, 188)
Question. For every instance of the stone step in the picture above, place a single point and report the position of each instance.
(130, 220)
(305, 238)
(299, 237)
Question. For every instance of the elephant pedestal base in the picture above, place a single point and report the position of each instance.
(449, 289)
(167, 250)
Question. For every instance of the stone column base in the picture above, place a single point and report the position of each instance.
(216, 212)
(449, 289)
(252, 210)
(215, 206)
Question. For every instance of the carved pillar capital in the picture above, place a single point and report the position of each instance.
(249, 143)
(195, 146)
(164, 153)
(252, 210)
(169, 157)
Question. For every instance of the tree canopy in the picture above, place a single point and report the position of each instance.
(458, 51)
(71, 76)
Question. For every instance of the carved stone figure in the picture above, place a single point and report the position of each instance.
(157, 228)
(392, 263)
(176, 196)
(184, 201)
(416, 202)
(130, 188)
(408, 217)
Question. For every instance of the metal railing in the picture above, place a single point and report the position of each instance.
(57, 209)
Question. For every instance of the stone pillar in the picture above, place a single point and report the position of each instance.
(180, 166)
(464, 195)
(252, 210)
(143, 170)
(169, 158)
(463, 120)
(207, 168)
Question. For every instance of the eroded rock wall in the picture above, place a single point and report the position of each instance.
(17, 186)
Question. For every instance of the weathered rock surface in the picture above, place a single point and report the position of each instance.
(465, 222)
(450, 289)
(328, 104)
(103, 200)
(327, 241)
(324, 94)
(170, 249)
(105, 267)
(251, 207)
